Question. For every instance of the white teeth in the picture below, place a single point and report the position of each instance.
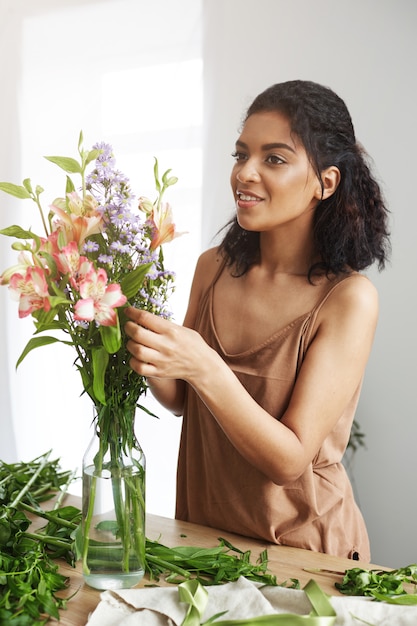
(246, 198)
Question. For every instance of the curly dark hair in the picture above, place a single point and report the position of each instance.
(351, 226)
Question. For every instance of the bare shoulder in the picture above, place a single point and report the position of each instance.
(210, 258)
(208, 265)
(355, 298)
(356, 290)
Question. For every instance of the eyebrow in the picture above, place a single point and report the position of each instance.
(269, 146)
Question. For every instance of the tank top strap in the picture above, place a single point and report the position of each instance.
(209, 289)
(216, 276)
(312, 317)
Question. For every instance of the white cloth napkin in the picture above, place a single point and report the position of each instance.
(160, 606)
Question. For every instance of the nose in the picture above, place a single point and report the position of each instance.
(247, 172)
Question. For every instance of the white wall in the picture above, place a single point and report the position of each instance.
(366, 50)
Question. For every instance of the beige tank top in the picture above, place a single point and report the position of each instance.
(217, 487)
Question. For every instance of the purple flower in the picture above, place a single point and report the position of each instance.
(106, 259)
(106, 154)
(90, 246)
(118, 247)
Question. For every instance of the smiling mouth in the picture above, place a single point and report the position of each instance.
(247, 198)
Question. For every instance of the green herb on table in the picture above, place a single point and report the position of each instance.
(35, 481)
(29, 579)
(210, 566)
(385, 586)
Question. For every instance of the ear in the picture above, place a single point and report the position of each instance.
(331, 179)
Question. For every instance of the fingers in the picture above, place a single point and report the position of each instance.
(145, 342)
(143, 345)
(147, 320)
(142, 368)
(138, 333)
(142, 354)
(154, 344)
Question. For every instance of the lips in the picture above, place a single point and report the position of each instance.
(247, 199)
(247, 196)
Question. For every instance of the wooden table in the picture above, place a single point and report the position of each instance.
(284, 562)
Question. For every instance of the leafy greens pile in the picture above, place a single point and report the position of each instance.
(29, 578)
(209, 566)
(385, 586)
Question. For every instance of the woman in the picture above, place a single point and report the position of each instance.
(268, 366)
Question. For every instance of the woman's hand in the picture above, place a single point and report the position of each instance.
(162, 349)
(168, 354)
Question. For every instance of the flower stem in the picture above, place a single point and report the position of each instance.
(49, 539)
(35, 198)
(51, 517)
(28, 485)
(64, 490)
(98, 466)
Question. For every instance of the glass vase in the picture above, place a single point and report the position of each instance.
(113, 509)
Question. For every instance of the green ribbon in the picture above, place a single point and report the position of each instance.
(196, 596)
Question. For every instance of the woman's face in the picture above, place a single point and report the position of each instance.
(272, 180)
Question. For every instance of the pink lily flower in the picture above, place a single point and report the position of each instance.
(77, 220)
(50, 244)
(98, 299)
(69, 261)
(21, 267)
(31, 290)
(162, 226)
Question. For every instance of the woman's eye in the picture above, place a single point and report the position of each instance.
(238, 156)
(274, 159)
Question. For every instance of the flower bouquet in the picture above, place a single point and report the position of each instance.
(96, 257)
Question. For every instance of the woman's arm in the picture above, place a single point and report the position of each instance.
(331, 372)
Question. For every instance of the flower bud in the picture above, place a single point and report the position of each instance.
(75, 203)
(171, 181)
(89, 205)
(145, 205)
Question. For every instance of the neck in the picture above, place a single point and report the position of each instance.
(283, 254)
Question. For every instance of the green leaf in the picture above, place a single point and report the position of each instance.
(132, 282)
(92, 155)
(50, 262)
(46, 324)
(165, 176)
(172, 180)
(58, 301)
(109, 526)
(44, 318)
(77, 536)
(15, 190)
(18, 232)
(35, 342)
(27, 185)
(66, 163)
(70, 187)
(100, 358)
(409, 599)
(156, 175)
(111, 337)
(59, 290)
